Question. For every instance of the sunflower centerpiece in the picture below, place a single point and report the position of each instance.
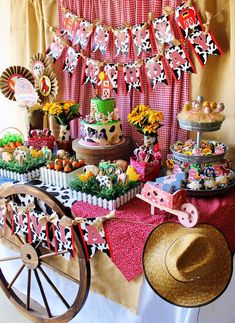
(147, 121)
(63, 113)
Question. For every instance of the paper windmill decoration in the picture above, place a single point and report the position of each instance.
(9, 78)
(47, 85)
(39, 62)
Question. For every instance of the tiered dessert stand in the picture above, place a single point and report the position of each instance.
(199, 160)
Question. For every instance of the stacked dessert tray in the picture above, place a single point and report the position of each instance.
(210, 161)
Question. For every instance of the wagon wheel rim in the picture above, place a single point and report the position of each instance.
(34, 260)
(188, 216)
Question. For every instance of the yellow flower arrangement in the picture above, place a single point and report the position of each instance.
(63, 112)
(146, 120)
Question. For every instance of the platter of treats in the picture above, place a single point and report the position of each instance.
(212, 192)
(210, 179)
(201, 115)
(204, 180)
(209, 151)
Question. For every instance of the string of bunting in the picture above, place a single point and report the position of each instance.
(35, 226)
(76, 32)
(55, 233)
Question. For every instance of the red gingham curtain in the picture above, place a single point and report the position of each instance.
(168, 99)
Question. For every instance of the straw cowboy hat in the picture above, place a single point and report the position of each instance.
(188, 267)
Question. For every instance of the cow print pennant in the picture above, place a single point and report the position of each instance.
(55, 49)
(155, 71)
(163, 30)
(187, 20)
(132, 77)
(38, 232)
(101, 39)
(70, 23)
(83, 34)
(178, 61)
(121, 41)
(94, 239)
(91, 71)
(141, 38)
(20, 222)
(71, 60)
(203, 46)
(192, 29)
(112, 71)
(63, 238)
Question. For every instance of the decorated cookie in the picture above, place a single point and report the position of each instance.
(195, 185)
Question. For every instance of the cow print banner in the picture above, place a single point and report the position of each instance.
(71, 60)
(191, 28)
(132, 77)
(91, 71)
(55, 49)
(94, 239)
(83, 34)
(155, 71)
(101, 39)
(112, 71)
(70, 23)
(141, 38)
(122, 40)
(178, 61)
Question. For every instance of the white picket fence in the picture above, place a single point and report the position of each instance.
(25, 177)
(56, 178)
(110, 205)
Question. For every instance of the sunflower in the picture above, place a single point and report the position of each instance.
(146, 120)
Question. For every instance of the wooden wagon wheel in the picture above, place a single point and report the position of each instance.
(38, 261)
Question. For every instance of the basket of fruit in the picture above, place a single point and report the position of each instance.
(10, 139)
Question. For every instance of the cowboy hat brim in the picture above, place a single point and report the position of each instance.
(190, 294)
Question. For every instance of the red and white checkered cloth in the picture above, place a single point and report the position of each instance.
(168, 99)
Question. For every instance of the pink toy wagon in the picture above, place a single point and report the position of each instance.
(175, 203)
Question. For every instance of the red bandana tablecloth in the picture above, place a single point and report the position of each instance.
(128, 232)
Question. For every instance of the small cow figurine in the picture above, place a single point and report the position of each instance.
(104, 180)
(21, 154)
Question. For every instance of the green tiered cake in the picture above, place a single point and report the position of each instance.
(102, 127)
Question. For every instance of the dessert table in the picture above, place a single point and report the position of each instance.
(119, 293)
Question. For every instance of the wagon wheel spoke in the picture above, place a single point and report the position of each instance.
(28, 290)
(38, 244)
(38, 260)
(54, 287)
(53, 254)
(10, 258)
(16, 276)
(42, 293)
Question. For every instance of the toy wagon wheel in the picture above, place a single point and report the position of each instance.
(189, 215)
(39, 271)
